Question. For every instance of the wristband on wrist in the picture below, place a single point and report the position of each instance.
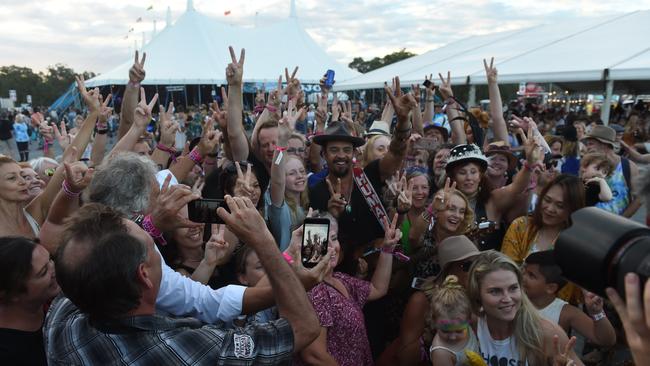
(68, 190)
(195, 155)
(599, 316)
(152, 230)
(287, 258)
(169, 150)
(133, 84)
(271, 108)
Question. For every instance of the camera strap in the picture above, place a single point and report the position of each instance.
(370, 195)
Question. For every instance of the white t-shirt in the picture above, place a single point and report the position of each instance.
(497, 352)
(553, 310)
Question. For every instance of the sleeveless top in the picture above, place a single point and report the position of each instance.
(497, 352)
(36, 228)
(620, 192)
(461, 356)
(553, 310)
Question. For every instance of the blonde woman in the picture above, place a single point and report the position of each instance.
(510, 331)
(375, 148)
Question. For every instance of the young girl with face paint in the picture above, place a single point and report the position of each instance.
(451, 313)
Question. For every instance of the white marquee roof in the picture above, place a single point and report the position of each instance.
(195, 51)
(576, 50)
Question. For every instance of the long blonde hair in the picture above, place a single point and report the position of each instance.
(291, 202)
(527, 323)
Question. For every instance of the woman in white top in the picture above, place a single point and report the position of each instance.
(510, 331)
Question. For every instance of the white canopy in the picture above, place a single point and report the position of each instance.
(577, 50)
(195, 51)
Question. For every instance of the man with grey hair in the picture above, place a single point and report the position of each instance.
(127, 183)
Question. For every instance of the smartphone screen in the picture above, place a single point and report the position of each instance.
(205, 210)
(418, 283)
(315, 235)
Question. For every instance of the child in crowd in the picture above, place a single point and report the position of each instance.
(451, 313)
(249, 272)
(543, 279)
(594, 169)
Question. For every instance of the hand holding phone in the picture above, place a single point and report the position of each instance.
(205, 210)
(315, 238)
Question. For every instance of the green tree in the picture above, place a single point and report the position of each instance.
(363, 66)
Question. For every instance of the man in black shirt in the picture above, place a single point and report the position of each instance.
(6, 137)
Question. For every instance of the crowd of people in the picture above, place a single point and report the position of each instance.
(442, 226)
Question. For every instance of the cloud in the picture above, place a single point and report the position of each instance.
(89, 35)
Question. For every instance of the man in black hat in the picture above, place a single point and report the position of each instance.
(341, 193)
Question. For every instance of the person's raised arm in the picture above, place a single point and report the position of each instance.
(496, 105)
(595, 327)
(278, 178)
(245, 221)
(215, 254)
(416, 113)
(141, 119)
(456, 121)
(319, 128)
(101, 136)
(237, 138)
(403, 104)
(429, 91)
(636, 203)
(381, 277)
(165, 149)
(207, 145)
(130, 99)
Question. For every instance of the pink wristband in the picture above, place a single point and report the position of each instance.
(150, 228)
(288, 258)
(169, 150)
(195, 155)
(271, 108)
(68, 190)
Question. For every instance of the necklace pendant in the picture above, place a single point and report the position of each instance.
(348, 208)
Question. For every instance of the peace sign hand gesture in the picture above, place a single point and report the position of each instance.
(445, 86)
(442, 197)
(293, 84)
(429, 90)
(168, 127)
(235, 69)
(136, 72)
(563, 358)
(402, 103)
(336, 204)
(90, 98)
(217, 248)
(404, 198)
(490, 71)
(244, 178)
(143, 110)
(105, 111)
(392, 234)
(62, 135)
(209, 138)
(531, 147)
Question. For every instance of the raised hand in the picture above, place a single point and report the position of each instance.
(336, 108)
(105, 111)
(635, 316)
(244, 178)
(415, 90)
(405, 196)
(61, 135)
(336, 204)
(209, 138)
(245, 221)
(293, 84)
(309, 277)
(563, 357)
(593, 303)
(90, 98)
(78, 176)
(429, 90)
(143, 110)
(168, 127)
(392, 234)
(531, 147)
(260, 99)
(198, 185)
(136, 72)
(166, 213)
(321, 110)
(402, 103)
(217, 249)
(221, 114)
(490, 71)
(445, 86)
(441, 201)
(235, 69)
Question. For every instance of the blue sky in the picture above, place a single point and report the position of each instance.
(90, 35)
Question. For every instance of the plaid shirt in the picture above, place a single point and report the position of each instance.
(70, 339)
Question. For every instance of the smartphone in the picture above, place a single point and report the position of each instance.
(329, 78)
(426, 143)
(426, 83)
(205, 210)
(418, 283)
(315, 235)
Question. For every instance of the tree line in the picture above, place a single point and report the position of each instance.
(44, 87)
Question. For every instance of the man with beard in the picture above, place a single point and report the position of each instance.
(339, 192)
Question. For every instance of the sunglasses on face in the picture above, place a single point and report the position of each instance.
(293, 150)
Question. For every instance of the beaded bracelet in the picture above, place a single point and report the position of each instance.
(196, 157)
(68, 190)
(151, 229)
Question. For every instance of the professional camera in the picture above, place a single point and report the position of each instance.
(600, 248)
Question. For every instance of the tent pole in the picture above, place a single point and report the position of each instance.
(607, 104)
(472, 96)
(199, 91)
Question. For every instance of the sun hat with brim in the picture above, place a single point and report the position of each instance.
(437, 126)
(604, 134)
(463, 154)
(338, 132)
(378, 128)
(500, 147)
(454, 249)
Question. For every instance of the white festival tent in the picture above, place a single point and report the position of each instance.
(588, 53)
(194, 50)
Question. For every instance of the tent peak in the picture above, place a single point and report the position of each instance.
(292, 9)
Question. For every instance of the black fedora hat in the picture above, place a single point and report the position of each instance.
(338, 132)
(466, 153)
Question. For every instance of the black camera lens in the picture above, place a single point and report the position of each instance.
(599, 248)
